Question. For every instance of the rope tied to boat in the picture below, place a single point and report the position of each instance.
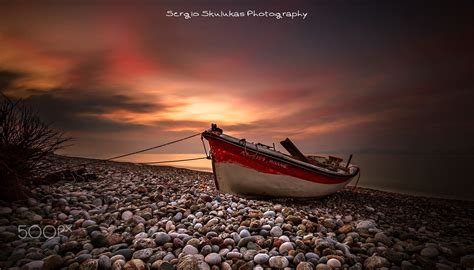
(171, 161)
(152, 148)
(208, 155)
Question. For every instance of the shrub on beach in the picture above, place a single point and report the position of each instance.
(26, 143)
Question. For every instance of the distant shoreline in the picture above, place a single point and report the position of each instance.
(350, 186)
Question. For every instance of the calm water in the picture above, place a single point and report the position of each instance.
(429, 175)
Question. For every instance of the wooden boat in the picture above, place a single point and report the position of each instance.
(257, 170)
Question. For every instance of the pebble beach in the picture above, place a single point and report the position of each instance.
(130, 216)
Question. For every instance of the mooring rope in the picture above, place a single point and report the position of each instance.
(174, 160)
(138, 152)
(151, 148)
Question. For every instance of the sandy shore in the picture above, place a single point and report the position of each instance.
(149, 217)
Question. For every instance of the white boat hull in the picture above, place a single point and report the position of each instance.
(239, 180)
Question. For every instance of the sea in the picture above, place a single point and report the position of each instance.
(440, 176)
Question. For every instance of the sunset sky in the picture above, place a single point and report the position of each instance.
(353, 77)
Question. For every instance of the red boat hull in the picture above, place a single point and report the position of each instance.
(241, 170)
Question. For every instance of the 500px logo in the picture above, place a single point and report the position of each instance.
(36, 231)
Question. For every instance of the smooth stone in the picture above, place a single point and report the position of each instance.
(138, 228)
(430, 252)
(311, 255)
(334, 263)
(249, 254)
(370, 209)
(127, 215)
(261, 258)
(244, 233)
(135, 264)
(178, 216)
(162, 238)
(104, 262)
(345, 228)
(205, 250)
(278, 262)
(229, 242)
(32, 202)
(5, 211)
(61, 202)
(34, 265)
(169, 226)
(51, 243)
(212, 258)
(99, 240)
(322, 266)
(37, 218)
(298, 258)
(244, 241)
(168, 257)
(72, 246)
(8, 236)
(394, 256)
(406, 265)
(117, 257)
(62, 216)
(88, 223)
(347, 219)
(276, 231)
(365, 225)
(375, 262)
(161, 265)
(97, 202)
(52, 262)
(89, 264)
(284, 238)
(142, 243)
(304, 266)
(382, 238)
(126, 253)
(269, 214)
(188, 249)
(294, 219)
(226, 266)
(83, 257)
(234, 255)
(142, 254)
(329, 223)
(189, 262)
(212, 222)
(286, 247)
(118, 264)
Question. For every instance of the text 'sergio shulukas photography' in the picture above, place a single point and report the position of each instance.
(278, 15)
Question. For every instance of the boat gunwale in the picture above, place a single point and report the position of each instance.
(281, 157)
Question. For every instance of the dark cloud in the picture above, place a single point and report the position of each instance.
(77, 109)
(7, 77)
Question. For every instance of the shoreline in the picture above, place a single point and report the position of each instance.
(400, 192)
(162, 217)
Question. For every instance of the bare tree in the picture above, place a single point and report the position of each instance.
(26, 142)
